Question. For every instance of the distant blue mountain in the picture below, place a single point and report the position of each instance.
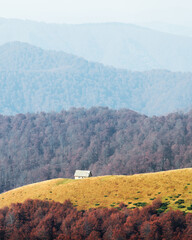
(169, 28)
(35, 80)
(119, 45)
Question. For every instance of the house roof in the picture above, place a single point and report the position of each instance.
(82, 173)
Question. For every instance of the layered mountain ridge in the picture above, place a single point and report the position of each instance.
(120, 45)
(35, 80)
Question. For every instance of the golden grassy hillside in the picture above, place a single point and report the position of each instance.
(108, 191)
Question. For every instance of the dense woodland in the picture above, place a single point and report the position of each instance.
(35, 80)
(36, 147)
(35, 219)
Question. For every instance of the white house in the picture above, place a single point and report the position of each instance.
(79, 174)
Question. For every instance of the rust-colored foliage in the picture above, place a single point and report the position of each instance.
(35, 219)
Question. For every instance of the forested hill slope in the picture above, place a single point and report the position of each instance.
(120, 45)
(36, 147)
(17, 56)
(32, 80)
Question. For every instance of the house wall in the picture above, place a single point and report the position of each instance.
(80, 177)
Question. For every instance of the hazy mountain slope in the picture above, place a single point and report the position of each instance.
(121, 45)
(32, 79)
(17, 56)
(37, 147)
(169, 28)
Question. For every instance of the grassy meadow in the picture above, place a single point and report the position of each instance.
(174, 188)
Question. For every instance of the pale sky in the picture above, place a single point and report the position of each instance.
(85, 11)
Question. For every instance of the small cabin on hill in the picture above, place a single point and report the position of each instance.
(80, 174)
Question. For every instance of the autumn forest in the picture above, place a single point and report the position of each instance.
(36, 147)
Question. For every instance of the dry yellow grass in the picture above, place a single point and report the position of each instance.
(107, 191)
